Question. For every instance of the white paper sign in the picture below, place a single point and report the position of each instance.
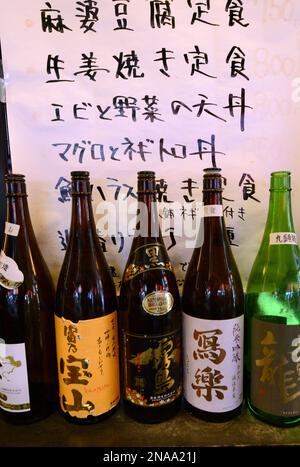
(172, 86)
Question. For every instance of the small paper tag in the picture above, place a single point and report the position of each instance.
(213, 210)
(283, 238)
(11, 229)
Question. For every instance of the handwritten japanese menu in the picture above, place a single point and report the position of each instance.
(118, 86)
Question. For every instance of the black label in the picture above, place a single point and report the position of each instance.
(153, 369)
(275, 368)
(145, 258)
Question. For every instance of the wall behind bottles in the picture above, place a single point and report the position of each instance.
(172, 86)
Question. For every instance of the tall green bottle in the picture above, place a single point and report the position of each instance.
(273, 315)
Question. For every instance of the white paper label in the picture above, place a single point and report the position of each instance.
(14, 389)
(213, 210)
(11, 229)
(213, 363)
(10, 275)
(283, 238)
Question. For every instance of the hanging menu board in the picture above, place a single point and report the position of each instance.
(119, 86)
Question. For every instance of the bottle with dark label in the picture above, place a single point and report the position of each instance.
(213, 314)
(28, 374)
(273, 315)
(150, 319)
(86, 319)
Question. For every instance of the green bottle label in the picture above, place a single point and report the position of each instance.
(152, 374)
(275, 368)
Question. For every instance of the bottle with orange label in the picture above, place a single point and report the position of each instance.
(86, 319)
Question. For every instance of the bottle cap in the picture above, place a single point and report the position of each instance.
(146, 182)
(80, 174)
(15, 184)
(280, 180)
(211, 170)
(212, 180)
(146, 174)
(80, 183)
(15, 177)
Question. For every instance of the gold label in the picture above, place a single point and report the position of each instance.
(158, 303)
(87, 355)
(152, 375)
(283, 238)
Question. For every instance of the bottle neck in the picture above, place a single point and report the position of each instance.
(82, 218)
(17, 213)
(212, 197)
(280, 218)
(214, 225)
(147, 216)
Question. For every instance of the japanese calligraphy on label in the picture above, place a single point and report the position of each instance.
(213, 363)
(275, 368)
(152, 376)
(14, 389)
(87, 355)
(283, 238)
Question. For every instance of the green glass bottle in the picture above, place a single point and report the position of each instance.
(273, 315)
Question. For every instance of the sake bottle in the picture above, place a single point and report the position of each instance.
(150, 318)
(213, 314)
(86, 318)
(28, 376)
(273, 314)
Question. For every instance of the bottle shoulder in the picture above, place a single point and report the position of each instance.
(26, 259)
(211, 268)
(212, 288)
(275, 267)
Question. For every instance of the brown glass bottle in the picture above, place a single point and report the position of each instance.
(150, 319)
(213, 311)
(86, 319)
(28, 376)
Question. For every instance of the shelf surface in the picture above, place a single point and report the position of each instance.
(119, 430)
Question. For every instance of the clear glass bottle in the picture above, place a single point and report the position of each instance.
(273, 314)
(150, 319)
(213, 317)
(28, 375)
(86, 318)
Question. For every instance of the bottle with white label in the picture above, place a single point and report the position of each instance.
(28, 376)
(150, 318)
(213, 313)
(272, 358)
